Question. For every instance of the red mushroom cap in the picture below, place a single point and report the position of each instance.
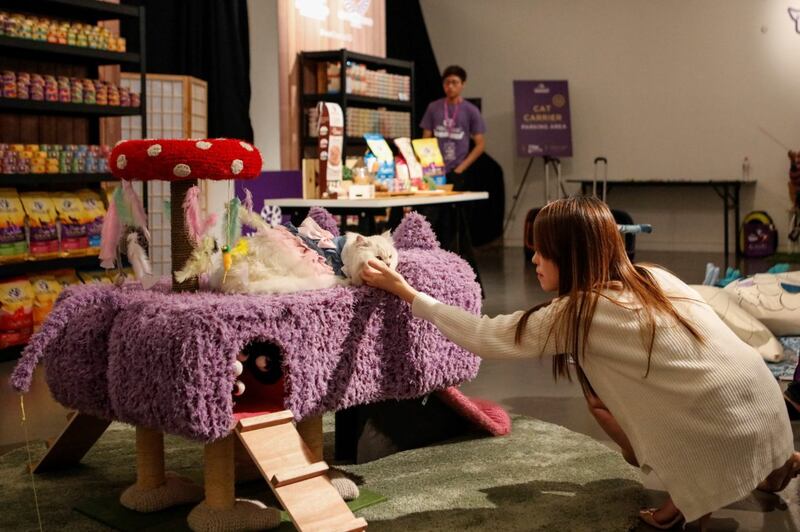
(178, 159)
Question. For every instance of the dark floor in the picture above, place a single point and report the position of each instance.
(526, 387)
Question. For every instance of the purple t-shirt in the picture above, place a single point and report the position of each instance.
(454, 131)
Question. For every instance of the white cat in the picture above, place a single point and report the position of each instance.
(277, 262)
(359, 249)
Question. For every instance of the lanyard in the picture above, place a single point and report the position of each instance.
(449, 125)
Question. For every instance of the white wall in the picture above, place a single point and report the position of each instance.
(264, 97)
(665, 89)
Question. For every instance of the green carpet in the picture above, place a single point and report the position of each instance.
(541, 477)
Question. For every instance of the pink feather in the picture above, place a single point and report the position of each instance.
(137, 209)
(248, 200)
(109, 238)
(195, 225)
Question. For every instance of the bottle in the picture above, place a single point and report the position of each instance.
(746, 169)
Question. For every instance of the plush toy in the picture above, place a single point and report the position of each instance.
(759, 307)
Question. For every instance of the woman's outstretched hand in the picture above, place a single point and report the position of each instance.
(377, 274)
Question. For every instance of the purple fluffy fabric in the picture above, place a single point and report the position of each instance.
(166, 361)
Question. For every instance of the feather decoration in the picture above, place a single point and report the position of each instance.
(138, 216)
(251, 219)
(137, 256)
(196, 226)
(200, 261)
(124, 213)
(233, 225)
(109, 237)
(248, 200)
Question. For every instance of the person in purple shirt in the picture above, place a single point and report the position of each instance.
(454, 121)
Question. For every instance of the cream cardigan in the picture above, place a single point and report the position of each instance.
(709, 420)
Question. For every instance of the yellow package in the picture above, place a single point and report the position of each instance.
(13, 245)
(74, 221)
(430, 157)
(45, 293)
(65, 277)
(43, 231)
(96, 212)
(16, 312)
(96, 276)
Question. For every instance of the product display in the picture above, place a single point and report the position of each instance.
(26, 86)
(43, 225)
(43, 234)
(380, 162)
(330, 147)
(360, 122)
(431, 158)
(73, 221)
(59, 32)
(364, 81)
(13, 244)
(16, 312)
(54, 159)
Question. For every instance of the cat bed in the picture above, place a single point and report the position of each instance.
(166, 360)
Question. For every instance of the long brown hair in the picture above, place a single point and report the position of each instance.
(580, 236)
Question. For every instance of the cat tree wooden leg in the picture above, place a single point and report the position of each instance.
(221, 510)
(155, 489)
(149, 458)
(219, 473)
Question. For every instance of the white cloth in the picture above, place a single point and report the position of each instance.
(709, 420)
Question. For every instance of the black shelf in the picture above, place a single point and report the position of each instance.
(14, 269)
(349, 141)
(80, 10)
(9, 354)
(358, 99)
(41, 180)
(345, 100)
(65, 109)
(61, 52)
(380, 62)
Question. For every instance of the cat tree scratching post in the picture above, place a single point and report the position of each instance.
(183, 163)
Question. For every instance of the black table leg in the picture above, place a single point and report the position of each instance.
(725, 217)
(737, 222)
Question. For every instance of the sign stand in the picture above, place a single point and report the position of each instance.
(555, 162)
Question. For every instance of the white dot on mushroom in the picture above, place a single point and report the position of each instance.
(121, 161)
(181, 170)
(236, 166)
(154, 150)
(203, 145)
(246, 146)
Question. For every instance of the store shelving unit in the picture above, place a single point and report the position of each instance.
(12, 51)
(309, 96)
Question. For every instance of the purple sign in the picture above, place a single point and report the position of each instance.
(542, 121)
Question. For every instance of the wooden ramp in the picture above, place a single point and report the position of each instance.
(80, 434)
(297, 478)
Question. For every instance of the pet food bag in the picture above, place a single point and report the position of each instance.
(383, 153)
(65, 277)
(431, 159)
(45, 292)
(331, 158)
(95, 212)
(414, 168)
(16, 312)
(96, 276)
(42, 227)
(13, 245)
(73, 220)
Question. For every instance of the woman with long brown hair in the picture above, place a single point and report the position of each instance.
(681, 395)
